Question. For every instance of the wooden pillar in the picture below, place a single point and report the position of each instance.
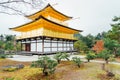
(57, 44)
(30, 45)
(73, 46)
(63, 45)
(36, 45)
(21, 46)
(43, 45)
(51, 44)
(66, 45)
(69, 46)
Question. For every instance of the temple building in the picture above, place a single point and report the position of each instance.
(46, 33)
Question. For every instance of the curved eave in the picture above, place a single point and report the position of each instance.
(41, 17)
(67, 17)
(60, 24)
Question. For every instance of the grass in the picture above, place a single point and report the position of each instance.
(66, 70)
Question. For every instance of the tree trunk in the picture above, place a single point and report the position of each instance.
(45, 72)
(67, 59)
(103, 66)
(78, 65)
(88, 60)
(115, 52)
(58, 61)
(106, 61)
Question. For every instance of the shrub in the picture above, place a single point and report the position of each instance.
(46, 63)
(2, 51)
(65, 56)
(77, 61)
(118, 53)
(9, 78)
(105, 54)
(9, 56)
(59, 56)
(90, 56)
(9, 68)
(3, 56)
(19, 66)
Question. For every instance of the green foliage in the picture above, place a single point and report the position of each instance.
(9, 78)
(105, 54)
(77, 61)
(10, 37)
(118, 53)
(2, 51)
(65, 56)
(18, 46)
(9, 56)
(114, 34)
(80, 46)
(59, 56)
(9, 46)
(8, 43)
(3, 56)
(111, 45)
(46, 63)
(90, 56)
(10, 69)
(2, 45)
(89, 40)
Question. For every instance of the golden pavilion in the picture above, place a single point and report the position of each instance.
(47, 33)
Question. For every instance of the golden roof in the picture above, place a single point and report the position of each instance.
(49, 11)
(43, 22)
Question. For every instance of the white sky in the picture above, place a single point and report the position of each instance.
(95, 15)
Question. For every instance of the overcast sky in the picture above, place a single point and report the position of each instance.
(94, 15)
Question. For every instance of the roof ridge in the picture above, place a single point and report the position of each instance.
(45, 8)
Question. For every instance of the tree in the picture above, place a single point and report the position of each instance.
(18, 46)
(90, 56)
(79, 36)
(99, 36)
(47, 64)
(59, 56)
(105, 54)
(9, 38)
(89, 40)
(80, 46)
(2, 44)
(65, 56)
(15, 7)
(111, 45)
(9, 46)
(77, 61)
(99, 46)
(114, 34)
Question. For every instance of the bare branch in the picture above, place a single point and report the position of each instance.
(20, 7)
(7, 2)
(10, 13)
